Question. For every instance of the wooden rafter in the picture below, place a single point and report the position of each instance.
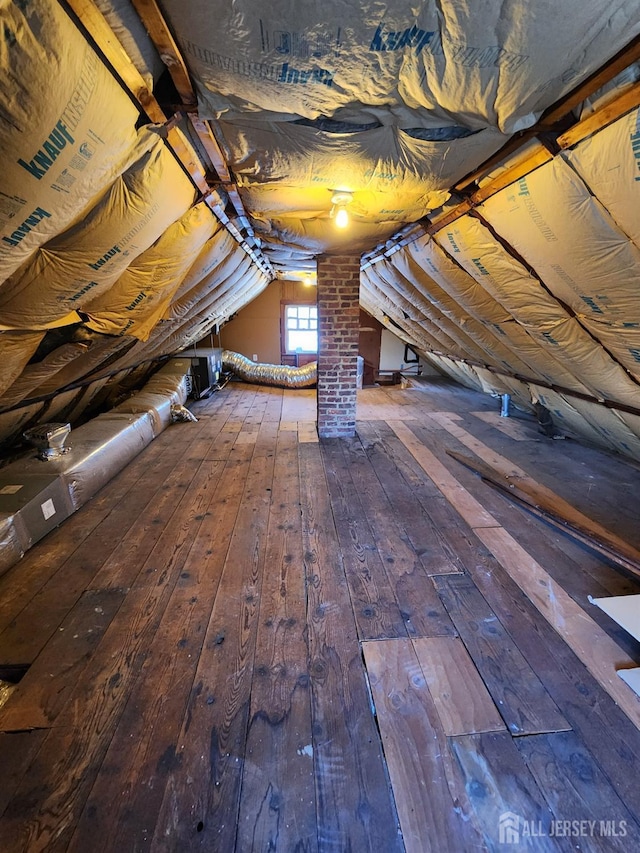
(606, 115)
(560, 110)
(536, 158)
(98, 28)
(161, 36)
(211, 146)
(622, 60)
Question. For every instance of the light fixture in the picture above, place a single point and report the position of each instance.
(339, 212)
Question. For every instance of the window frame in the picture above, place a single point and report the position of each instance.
(297, 303)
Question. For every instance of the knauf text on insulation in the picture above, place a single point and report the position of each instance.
(635, 144)
(58, 137)
(29, 223)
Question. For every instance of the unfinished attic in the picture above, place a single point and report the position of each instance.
(319, 426)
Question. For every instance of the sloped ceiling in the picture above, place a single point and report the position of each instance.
(164, 162)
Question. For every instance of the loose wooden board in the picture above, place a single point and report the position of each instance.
(431, 801)
(461, 698)
(469, 508)
(518, 693)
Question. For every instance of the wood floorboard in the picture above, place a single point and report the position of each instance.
(418, 528)
(421, 609)
(499, 783)
(64, 769)
(416, 750)
(278, 794)
(45, 611)
(42, 693)
(252, 639)
(355, 806)
(586, 795)
(45, 559)
(18, 750)
(521, 698)
(377, 611)
(461, 698)
(589, 710)
(212, 741)
(123, 805)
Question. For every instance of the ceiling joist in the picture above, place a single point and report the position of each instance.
(161, 36)
(103, 36)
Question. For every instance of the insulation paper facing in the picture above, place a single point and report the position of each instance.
(310, 61)
(68, 128)
(134, 304)
(86, 260)
(609, 163)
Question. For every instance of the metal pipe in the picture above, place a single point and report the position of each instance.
(280, 375)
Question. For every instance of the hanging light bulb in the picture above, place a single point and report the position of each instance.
(339, 212)
(342, 217)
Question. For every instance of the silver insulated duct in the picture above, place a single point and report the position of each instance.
(269, 374)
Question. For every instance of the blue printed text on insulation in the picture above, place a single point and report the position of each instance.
(48, 152)
(281, 73)
(106, 257)
(142, 295)
(592, 304)
(451, 239)
(289, 74)
(85, 289)
(61, 134)
(412, 37)
(28, 225)
(303, 45)
(478, 263)
(635, 144)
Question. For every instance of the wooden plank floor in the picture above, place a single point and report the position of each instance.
(252, 640)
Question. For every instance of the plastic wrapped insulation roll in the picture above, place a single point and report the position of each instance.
(269, 374)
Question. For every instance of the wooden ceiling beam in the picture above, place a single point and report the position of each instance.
(558, 111)
(211, 146)
(100, 31)
(606, 115)
(158, 29)
(535, 159)
(98, 28)
(622, 60)
(161, 36)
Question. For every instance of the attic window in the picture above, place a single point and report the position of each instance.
(301, 328)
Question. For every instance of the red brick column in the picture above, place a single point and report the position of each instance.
(338, 332)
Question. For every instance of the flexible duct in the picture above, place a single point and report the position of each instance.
(270, 374)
